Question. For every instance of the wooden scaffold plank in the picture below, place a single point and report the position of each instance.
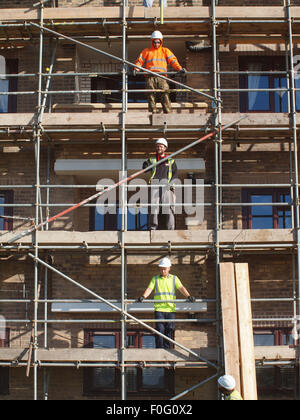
(230, 323)
(247, 354)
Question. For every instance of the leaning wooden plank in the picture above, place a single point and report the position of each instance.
(229, 318)
(247, 355)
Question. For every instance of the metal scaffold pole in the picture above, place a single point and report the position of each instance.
(296, 167)
(218, 181)
(123, 205)
(37, 202)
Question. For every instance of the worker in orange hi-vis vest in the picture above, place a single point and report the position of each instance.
(157, 59)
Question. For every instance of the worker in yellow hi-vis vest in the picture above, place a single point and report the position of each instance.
(165, 286)
(162, 192)
(227, 386)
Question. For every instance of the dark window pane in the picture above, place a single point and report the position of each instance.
(288, 377)
(264, 340)
(6, 197)
(104, 341)
(2, 201)
(131, 379)
(154, 378)
(297, 86)
(4, 87)
(265, 377)
(131, 341)
(4, 381)
(288, 339)
(149, 342)
(104, 378)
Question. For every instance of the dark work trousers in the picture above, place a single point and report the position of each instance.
(154, 82)
(166, 328)
(158, 196)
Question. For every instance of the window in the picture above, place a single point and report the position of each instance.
(263, 101)
(137, 219)
(4, 371)
(140, 381)
(6, 197)
(4, 341)
(109, 83)
(8, 103)
(4, 381)
(277, 382)
(264, 216)
(273, 337)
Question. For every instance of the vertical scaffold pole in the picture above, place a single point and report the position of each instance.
(124, 204)
(295, 143)
(37, 199)
(218, 164)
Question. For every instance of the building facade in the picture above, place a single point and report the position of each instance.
(67, 126)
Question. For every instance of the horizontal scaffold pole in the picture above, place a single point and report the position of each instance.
(123, 181)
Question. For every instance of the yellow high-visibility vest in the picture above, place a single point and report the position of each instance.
(165, 289)
(234, 396)
(170, 173)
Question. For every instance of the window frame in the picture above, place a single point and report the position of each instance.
(12, 66)
(5, 342)
(88, 388)
(8, 211)
(269, 63)
(276, 390)
(276, 332)
(247, 218)
(4, 375)
(111, 221)
(115, 83)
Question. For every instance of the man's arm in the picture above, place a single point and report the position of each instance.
(146, 294)
(146, 164)
(141, 60)
(184, 292)
(174, 171)
(172, 60)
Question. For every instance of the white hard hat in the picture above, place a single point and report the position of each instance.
(157, 35)
(165, 263)
(162, 141)
(227, 382)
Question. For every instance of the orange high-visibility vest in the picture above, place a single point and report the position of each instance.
(157, 60)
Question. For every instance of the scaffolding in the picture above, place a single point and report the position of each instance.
(282, 30)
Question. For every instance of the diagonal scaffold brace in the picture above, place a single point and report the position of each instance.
(128, 63)
(123, 181)
(116, 308)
